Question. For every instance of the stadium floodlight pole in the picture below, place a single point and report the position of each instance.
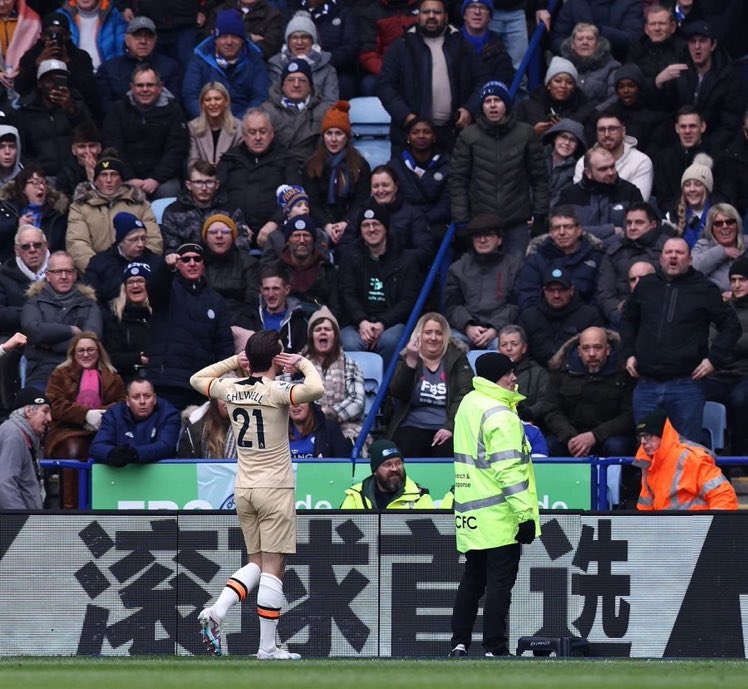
(414, 316)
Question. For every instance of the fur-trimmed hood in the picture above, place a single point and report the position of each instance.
(86, 192)
(567, 356)
(36, 288)
(587, 64)
(593, 241)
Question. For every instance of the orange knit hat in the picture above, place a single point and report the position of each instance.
(337, 116)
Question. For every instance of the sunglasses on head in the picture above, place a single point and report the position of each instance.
(191, 259)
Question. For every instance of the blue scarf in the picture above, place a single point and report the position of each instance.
(339, 183)
(413, 166)
(478, 42)
(36, 210)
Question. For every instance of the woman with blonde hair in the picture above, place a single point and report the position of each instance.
(721, 243)
(430, 380)
(208, 433)
(215, 129)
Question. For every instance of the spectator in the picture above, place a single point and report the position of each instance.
(637, 271)
(97, 27)
(296, 109)
(127, 322)
(302, 43)
(10, 152)
(311, 434)
(47, 116)
(207, 433)
(91, 218)
(190, 326)
(388, 487)
(21, 445)
(600, 198)
(589, 52)
(263, 23)
(251, 171)
(479, 284)
(532, 378)
(642, 241)
(672, 359)
(631, 164)
(29, 200)
(564, 144)
(56, 311)
(721, 244)
(79, 391)
(104, 270)
(378, 287)
(21, 27)
(565, 246)
(485, 36)
(411, 81)
(215, 130)
(559, 97)
(430, 380)
(498, 168)
(422, 170)
(85, 145)
(559, 315)
(336, 176)
(148, 129)
(678, 473)
(114, 75)
(732, 170)
(141, 429)
(228, 57)
(587, 404)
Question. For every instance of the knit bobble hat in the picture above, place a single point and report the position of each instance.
(560, 65)
(374, 211)
(289, 195)
(493, 366)
(302, 22)
(136, 269)
(380, 451)
(701, 171)
(301, 223)
(337, 117)
(124, 223)
(219, 217)
(229, 22)
(739, 267)
(485, 3)
(498, 89)
(298, 66)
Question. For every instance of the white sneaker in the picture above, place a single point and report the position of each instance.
(210, 631)
(277, 654)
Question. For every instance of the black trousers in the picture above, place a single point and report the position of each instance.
(492, 572)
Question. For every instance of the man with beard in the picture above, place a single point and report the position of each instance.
(388, 487)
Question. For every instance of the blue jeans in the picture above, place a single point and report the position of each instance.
(511, 25)
(385, 346)
(682, 399)
(734, 395)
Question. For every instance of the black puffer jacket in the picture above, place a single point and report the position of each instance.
(498, 169)
(13, 286)
(125, 339)
(235, 275)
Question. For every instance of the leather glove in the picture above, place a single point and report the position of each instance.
(526, 532)
(93, 418)
(121, 455)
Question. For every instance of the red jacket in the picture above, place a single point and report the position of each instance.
(383, 23)
(682, 475)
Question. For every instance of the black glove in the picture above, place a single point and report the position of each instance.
(121, 455)
(526, 532)
(538, 226)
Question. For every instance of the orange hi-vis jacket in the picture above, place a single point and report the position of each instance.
(682, 475)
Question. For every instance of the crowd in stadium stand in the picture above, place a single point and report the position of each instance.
(178, 174)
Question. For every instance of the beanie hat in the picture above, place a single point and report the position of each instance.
(302, 22)
(560, 65)
(701, 171)
(380, 451)
(653, 423)
(493, 365)
(219, 217)
(109, 164)
(136, 269)
(739, 267)
(229, 22)
(374, 211)
(124, 223)
(301, 223)
(295, 66)
(322, 314)
(182, 249)
(29, 395)
(337, 116)
(289, 195)
(485, 3)
(498, 89)
(632, 72)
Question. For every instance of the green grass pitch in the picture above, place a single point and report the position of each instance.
(227, 673)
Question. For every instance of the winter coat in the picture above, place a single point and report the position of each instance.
(125, 339)
(498, 169)
(327, 438)
(458, 379)
(153, 438)
(547, 329)
(235, 275)
(247, 83)
(167, 15)
(153, 142)
(47, 324)
(643, 122)
(652, 58)
(54, 219)
(583, 266)
(596, 72)
(68, 415)
(105, 271)
(264, 20)
(494, 60)
(478, 288)
(428, 193)
(710, 259)
(13, 287)
(669, 165)
(91, 216)
(559, 176)
(203, 146)
(322, 290)
(362, 496)
(665, 325)
(532, 380)
(20, 488)
(577, 401)
(296, 130)
(731, 174)
(538, 107)
(324, 76)
(293, 328)
(110, 34)
(382, 22)
(737, 366)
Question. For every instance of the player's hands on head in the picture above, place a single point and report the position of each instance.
(288, 362)
(244, 362)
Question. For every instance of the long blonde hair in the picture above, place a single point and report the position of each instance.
(434, 316)
(215, 431)
(104, 360)
(117, 305)
(731, 212)
(200, 124)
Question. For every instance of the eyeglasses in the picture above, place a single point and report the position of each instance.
(566, 227)
(203, 182)
(437, 13)
(569, 138)
(29, 245)
(61, 271)
(730, 222)
(608, 130)
(36, 182)
(191, 259)
(136, 239)
(646, 437)
(86, 351)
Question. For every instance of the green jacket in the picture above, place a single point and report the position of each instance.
(494, 479)
(410, 497)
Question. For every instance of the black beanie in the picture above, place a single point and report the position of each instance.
(653, 423)
(493, 365)
(739, 267)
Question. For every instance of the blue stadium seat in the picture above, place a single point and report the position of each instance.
(714, 422)
(159, 205)
(373, 367)
(473, 354)
(370, 124)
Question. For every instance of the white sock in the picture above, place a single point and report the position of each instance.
(269, 603)
(237, 588)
